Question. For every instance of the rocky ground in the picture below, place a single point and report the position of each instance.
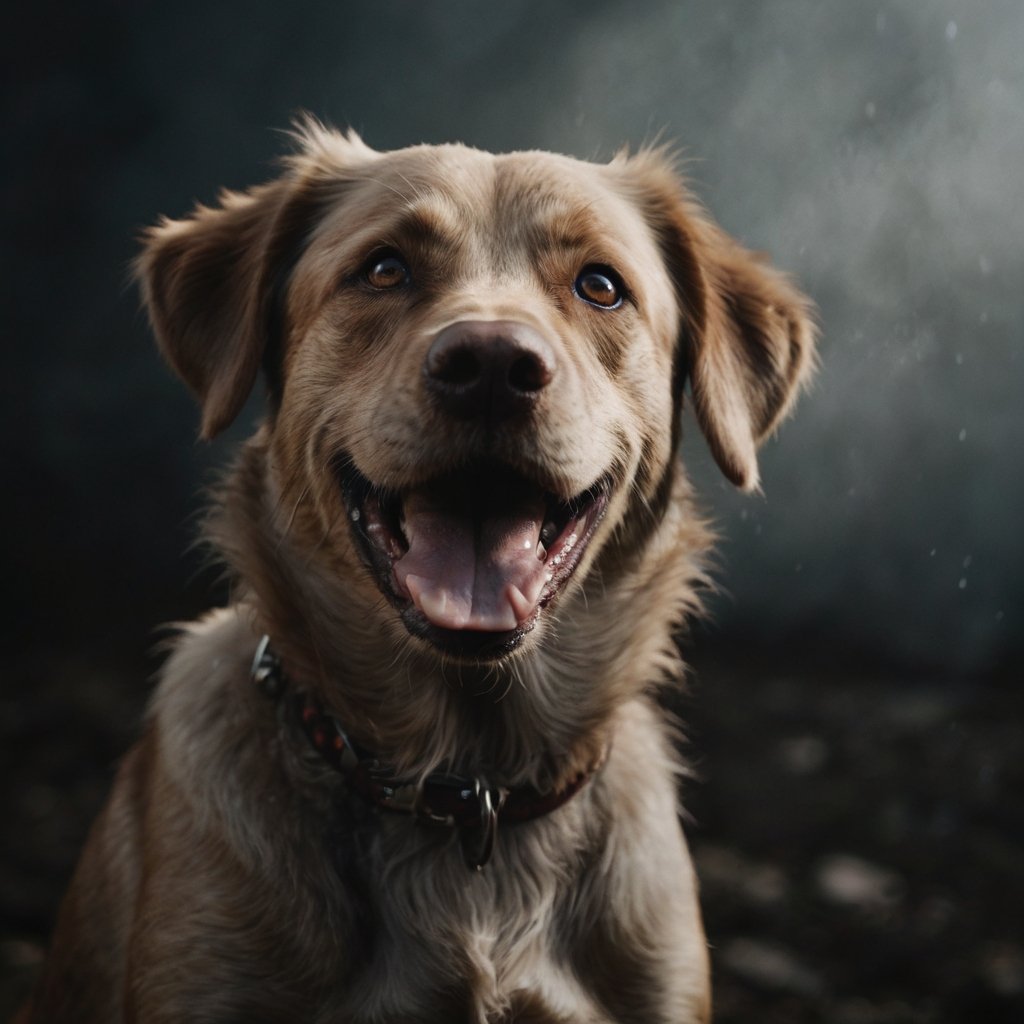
(860, 839)
(860, 843)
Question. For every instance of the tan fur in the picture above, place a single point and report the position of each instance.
(231, 876)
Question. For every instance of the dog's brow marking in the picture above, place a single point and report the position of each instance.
(424, 225)
(567, 229)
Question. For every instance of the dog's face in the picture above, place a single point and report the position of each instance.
(475, 365)
(501, 360)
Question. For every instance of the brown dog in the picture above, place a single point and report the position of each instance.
(441, 790)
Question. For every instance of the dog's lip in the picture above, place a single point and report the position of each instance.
(507, 512)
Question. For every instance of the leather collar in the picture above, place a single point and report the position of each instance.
(470, 804)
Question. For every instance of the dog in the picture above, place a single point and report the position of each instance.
(417, 769)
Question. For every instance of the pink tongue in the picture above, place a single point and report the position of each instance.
(473, 568)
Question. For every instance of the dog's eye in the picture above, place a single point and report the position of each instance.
(599, 286)
(387, 272)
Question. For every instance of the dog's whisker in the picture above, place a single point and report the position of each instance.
(417, 191)
(291, 518)
(386, 184)
(505, 691)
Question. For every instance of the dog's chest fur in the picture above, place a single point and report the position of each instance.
(385, 918)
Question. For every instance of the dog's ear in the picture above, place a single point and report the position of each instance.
(747, 334)
(212, 281)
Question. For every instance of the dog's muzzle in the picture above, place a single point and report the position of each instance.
(472, 553)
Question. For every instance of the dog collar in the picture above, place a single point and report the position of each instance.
(470, 804)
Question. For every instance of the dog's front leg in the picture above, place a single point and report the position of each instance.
(640, 939)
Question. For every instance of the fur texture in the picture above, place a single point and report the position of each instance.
(232, 876)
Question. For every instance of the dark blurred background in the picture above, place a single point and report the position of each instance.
(856, 710)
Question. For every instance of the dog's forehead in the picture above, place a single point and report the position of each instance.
(564, 196)
(524, 195)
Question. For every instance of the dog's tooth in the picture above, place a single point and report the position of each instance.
(542, 552)
(431, 602)
(521, 606)
(355, 514)
(434, 604)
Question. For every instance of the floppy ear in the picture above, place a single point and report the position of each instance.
(213, 282)
(747, 332)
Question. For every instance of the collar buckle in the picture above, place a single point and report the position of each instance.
(477, 838)
(266, 669)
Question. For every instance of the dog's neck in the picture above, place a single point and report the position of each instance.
(473, 805)
(537, 719)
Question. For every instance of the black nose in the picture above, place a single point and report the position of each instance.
(488, 369)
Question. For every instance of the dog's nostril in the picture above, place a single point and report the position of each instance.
(459, 367)
(528, 373)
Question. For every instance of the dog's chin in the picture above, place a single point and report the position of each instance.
(472, 560)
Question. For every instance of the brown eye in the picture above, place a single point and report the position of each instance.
(599, 286)
(387, 272)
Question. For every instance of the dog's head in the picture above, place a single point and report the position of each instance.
(475, 364)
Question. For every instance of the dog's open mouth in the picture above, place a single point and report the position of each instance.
(471, 558)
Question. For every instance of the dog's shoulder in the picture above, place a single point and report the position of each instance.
(209, 659)
(206, 720)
